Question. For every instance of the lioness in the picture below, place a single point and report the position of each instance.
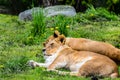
(82, 44)
(81, 63)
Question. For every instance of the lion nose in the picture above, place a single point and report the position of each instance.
(43, 50)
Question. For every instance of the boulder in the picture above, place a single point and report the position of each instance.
(60, 10)
(49, 11)
(25, 15)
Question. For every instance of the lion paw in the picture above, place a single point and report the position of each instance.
(32, 63)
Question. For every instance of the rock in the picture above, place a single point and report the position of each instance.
(49, 11)
(26, 15)
(60, 10)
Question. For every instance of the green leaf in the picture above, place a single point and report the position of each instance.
(115, 1)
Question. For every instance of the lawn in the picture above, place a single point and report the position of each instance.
(17, 46)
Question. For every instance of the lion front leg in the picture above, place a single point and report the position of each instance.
(59, 62)
(34, 64)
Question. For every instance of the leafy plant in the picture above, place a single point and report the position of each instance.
(99, 13)
(38, 27)
(39, 24)
(61, 23)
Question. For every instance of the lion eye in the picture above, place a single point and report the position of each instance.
(44, 44)
(52, 44)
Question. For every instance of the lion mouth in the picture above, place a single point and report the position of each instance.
(45, 54)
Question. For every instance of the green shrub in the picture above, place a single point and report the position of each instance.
(95, 13)
(39, 23)
(19, 5)
(62, 24)
(111, 5)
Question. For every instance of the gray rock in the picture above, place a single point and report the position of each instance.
(49, 11)
(60, 10)
(26, 15)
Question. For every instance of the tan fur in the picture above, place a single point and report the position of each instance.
(82, 44)
(80, 63)
(55, 35)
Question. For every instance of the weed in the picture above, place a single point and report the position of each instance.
(38, 21)
(99, 14)
(61, 23)
(39, 26)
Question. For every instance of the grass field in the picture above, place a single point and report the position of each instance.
(17, 46)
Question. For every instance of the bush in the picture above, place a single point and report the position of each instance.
(62, 24)
(111, 5)
(39, 23)
(98, 13)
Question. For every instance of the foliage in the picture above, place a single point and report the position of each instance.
(38, 27)
(61, 23)
(81, 5)
(95, 14)
(19, 5)
(110, 5)
(98, 13)
(38, 23)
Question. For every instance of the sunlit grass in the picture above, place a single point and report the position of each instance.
(15, 48)
(38, 22)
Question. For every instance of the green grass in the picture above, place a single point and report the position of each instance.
(38, 23)
(17, 46)
(61, 23)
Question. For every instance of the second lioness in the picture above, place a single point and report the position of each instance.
(82, 44)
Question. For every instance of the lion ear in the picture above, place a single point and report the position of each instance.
(62, 38)
(56, 34)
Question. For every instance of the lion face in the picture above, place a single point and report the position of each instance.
(52, 46)
(52, 37)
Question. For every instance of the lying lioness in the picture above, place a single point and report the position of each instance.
(82, 44)
(81, 63)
